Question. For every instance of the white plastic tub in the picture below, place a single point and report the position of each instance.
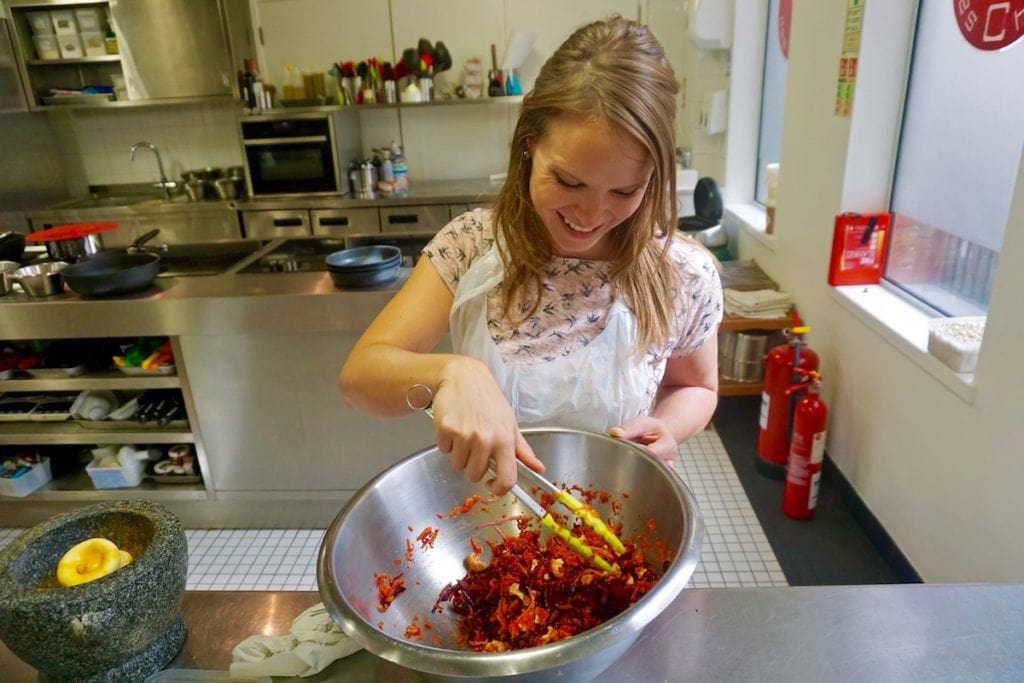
(28, 482)
(47, 47)
(128, 475)
(956, 341)
(70, 47)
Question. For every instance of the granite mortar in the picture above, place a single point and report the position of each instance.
(123, 626)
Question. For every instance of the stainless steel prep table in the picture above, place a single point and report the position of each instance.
(918, 632)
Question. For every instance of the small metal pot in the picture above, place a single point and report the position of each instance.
(7, 269)
(227, 188)
(41, 280)
(196, 189)
(75, 249)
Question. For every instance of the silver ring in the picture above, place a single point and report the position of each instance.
(418, 404)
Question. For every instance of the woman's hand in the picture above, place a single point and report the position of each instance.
(652, 433)
(474, 424)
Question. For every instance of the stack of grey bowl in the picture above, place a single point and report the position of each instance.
(366, 266)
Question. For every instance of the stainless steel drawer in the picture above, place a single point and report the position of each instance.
(271, 224)
(329, 222)
(413, 219)
(456, 210)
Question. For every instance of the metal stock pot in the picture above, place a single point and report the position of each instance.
(72, 242)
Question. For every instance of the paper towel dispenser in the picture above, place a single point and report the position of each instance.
(709, 23)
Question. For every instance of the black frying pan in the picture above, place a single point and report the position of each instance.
(114, 272)
(12, 244)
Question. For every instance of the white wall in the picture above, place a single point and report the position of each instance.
(942, 473)
(90, 147)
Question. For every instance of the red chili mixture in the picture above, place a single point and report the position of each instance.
(532, 594)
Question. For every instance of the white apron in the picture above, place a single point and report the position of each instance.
(597, 387)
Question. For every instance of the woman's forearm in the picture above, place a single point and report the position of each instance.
(686, 410)
(376, 378)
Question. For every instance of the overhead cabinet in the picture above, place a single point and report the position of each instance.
(146, 51)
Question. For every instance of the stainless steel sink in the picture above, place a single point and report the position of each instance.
(111, 201)
(215, 258)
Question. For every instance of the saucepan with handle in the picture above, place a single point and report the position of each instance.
(114, 272)
(72, 242)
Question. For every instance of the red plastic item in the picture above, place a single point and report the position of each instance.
(858, 249)
(69, 232)
(803, 470)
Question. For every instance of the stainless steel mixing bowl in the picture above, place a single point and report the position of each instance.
(371, 531)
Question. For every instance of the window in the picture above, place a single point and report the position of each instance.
(773, 91)
(959, 149)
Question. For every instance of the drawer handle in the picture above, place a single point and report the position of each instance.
(287, 222)
(403, 218)
(335, 220)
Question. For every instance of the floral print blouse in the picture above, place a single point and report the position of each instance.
(576, 297)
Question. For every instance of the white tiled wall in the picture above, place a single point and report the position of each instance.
(94, 144)
(440, 142)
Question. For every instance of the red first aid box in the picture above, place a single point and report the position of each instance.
(858, 248)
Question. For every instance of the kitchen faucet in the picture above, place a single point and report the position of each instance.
(165, 184)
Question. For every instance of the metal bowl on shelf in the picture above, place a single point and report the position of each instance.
(44, 279)
(413, 494)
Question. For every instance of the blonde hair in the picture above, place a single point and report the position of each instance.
(613, 70)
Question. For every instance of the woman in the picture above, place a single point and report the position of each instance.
(573, 302)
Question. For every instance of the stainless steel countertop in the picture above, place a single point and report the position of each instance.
(420, 192)
(130, 202)
(909, 632)
(217, 304)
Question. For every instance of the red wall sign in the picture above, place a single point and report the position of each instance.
(785, 19)
(990, 24)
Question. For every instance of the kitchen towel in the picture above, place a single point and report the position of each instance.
(759, 303)
(313, 642)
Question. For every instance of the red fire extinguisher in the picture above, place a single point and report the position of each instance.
(780, 372)
(803, 470)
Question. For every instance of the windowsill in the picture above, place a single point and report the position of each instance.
(905, 327)
(751, 219)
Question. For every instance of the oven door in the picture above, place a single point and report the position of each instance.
(289, 166)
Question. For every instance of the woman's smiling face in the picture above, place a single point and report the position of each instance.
(587, 177)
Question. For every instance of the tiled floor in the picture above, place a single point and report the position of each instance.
(735, 550)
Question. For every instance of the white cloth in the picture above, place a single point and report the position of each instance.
(758, 303)
(313, 642)
(600, 386)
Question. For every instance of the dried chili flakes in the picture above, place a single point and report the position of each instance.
(388, 588)
(413, 631)
(427, 537)
(532, 594)
(466, 506)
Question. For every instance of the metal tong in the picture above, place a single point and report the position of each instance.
(577, 507)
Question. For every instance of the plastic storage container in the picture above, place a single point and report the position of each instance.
(89, 19)
(956, 341)
(28, 482)
(47, 47)
(41, 23)
(128, 475)
(93, 44)
(70, 47)
(64, 23)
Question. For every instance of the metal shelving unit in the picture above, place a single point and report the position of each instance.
(732, 323)
(55, 433)
(77, 486)
(73, 486)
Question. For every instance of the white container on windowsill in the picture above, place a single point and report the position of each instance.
(956, 341)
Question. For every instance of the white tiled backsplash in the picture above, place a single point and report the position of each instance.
(94, 144)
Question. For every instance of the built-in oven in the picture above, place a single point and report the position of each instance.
(299, 154)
